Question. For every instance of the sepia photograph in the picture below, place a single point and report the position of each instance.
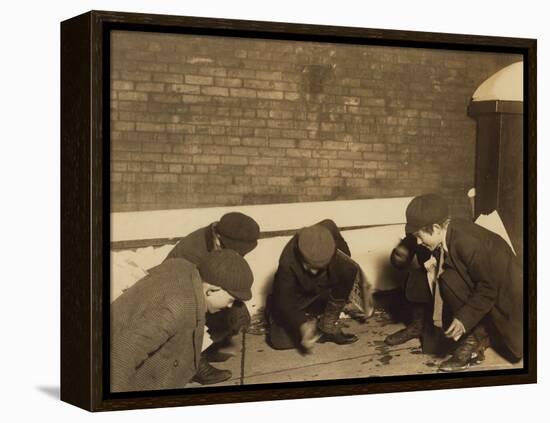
(296, 210)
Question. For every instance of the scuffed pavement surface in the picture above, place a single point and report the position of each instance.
(368, 357)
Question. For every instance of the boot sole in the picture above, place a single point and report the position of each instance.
(476, 359)
(456, 369)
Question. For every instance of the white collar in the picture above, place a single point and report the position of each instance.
(444, 243)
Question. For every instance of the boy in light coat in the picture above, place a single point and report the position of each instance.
(157, 325)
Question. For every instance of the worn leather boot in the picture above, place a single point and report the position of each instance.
(330, 332)
(471, 350)
(209, 375)
(217, 356)
(413, 330)
(481, 334)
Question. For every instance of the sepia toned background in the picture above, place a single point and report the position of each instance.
(203, 121)
(291, 133)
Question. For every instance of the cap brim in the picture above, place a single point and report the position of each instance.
(319, 264)
(410, 228)
(244, 295)
(241, 247)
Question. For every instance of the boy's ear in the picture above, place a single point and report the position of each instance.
(211, 289)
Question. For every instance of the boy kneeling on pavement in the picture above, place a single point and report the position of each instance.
(476, 285)
(314, 278)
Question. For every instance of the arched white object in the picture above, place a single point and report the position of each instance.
(505, 85)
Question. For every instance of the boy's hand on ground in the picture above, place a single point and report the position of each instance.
(308, 331)
(455, 330)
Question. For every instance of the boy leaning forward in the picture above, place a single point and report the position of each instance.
(477, 290)
(157, 325)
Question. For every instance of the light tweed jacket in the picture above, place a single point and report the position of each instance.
(157, 327)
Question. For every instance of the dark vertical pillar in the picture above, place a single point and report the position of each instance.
(499, 164)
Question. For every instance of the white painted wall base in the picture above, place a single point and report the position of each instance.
(144, 225)
(370, 247)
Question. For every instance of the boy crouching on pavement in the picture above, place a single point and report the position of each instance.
(234, 231)
(478, 283)
(157, 325)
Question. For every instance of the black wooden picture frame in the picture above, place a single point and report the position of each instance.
(85, 208)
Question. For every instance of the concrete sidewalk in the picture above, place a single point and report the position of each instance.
(257, 362)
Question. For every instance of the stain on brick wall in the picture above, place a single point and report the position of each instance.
(208, 121)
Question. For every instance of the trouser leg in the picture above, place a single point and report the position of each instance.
(342, 278)
(471, 346)
(342, 275)
(419, 296)
(280, 337)
(454, 293)
(417, 289)
(506, 334)
(454, 290)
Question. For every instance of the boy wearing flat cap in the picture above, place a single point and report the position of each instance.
(312, 279)
(157, 325)
(238, 232)
(478, 284)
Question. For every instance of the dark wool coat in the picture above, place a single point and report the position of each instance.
(417, 289)
(157, 329)
(229, 321)
(493, 280)
(195, 246)
(294, 289)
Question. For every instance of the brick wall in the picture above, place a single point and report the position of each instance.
(208, 121)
